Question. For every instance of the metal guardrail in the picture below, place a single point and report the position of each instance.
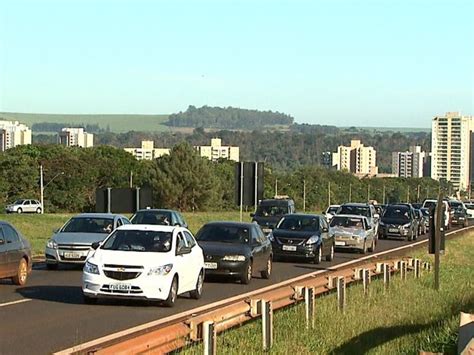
(203, 323)
(206, 325)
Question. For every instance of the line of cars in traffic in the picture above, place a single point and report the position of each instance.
(154, 256)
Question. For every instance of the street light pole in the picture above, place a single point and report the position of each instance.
(41, 189)
(304, 195)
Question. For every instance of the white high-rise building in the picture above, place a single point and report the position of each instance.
(217, 151)
(356, 158)
(147, 151)
(13, 134)
(408, 164)
(75, 137)
(450, 147)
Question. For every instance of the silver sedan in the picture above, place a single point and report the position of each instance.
(353, 232)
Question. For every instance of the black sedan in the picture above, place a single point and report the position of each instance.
(460, 217)
(159, 217)
(15, 255)
(234, 249)
(303, 235)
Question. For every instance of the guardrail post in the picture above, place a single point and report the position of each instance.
(379, 268)
(386, 275)
(309, 298)
(332, 282)
(427, 266)
(209, 338)
(403, 270)
(341, 293)
(417, 263)
(267, 324)
(366, 280)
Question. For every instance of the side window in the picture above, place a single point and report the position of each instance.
(27, 202)
(2, 236)
(11, 235)
(260, 236)
(255, 237)
(189, 239)
(181, 219)
(119, 222)
(180, 242)
(125, 221)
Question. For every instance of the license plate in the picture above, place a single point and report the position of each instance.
(289, 247)
(72, 255)
(341, 244)
(211, 266)
(120, 287)
(393, 230)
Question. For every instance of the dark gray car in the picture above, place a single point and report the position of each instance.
(15, 254)
(72, 242)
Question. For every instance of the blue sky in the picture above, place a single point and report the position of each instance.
(361, 63)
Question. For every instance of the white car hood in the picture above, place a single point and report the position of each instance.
(131, 258)
(343, 231)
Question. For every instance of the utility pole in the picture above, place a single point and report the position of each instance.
(439, 228)
(304, 195)
(368, 192)
(418, 193)
(241, 190)
(41, 189)
(383, 195)
(276, 187)
(329, 193)
(350, 192)
(131, 179)
(408, 195)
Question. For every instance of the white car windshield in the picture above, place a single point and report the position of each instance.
(347, 222)
(139, 240)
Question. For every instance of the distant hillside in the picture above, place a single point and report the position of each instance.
(228, 118)
(113, 123)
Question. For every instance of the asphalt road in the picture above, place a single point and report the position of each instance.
(48, 314)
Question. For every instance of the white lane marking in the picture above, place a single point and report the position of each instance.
(15, 302)
(238, 297)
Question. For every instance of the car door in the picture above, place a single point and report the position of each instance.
(196, 256)
(369, 232)
(259, 258)
(13, 248)
(182, 263)
(4, 269)
(266, 244)
(324, 232)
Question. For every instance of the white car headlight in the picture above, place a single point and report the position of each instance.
(91, 268)
(406, 226)
(52, 244)
(312, 240)
(234, 258)
(161, 270)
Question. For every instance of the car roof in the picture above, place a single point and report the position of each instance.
(350, 216)
(149, 227)
(303, 215)
(231, 223)
(97, 215)
(356, 204)
(155, 210)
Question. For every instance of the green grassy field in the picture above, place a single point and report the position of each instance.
(409, 317)
(116, 123)
(39, 228)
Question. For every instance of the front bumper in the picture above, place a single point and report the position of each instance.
(298, 251)
(349, 243)
(143, 287)
(225, 268)
(458, 220)
(393, 232)
(62, 256)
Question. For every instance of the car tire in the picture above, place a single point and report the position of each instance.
(364, 248)
(319, 257)
(372, 246)
(52, 266)
(19, 210)
(89, 300)
(38, 210)
(247, 274)
(173, 294)
(268, 270)
(21, 273)
(330, 256)
(197, 292)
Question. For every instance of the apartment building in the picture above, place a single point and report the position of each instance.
(217, 151)
(75, 137)
(410, 163)
(356, 158)
(450, 148)
(13, 133)
(147, 151)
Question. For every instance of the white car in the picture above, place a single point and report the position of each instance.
(469, 208)
(23, 206)
(151, 262)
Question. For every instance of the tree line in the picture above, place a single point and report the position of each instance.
(182, 180)
(227, 118)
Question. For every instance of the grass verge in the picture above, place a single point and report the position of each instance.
(407, 318)
(39, 228)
